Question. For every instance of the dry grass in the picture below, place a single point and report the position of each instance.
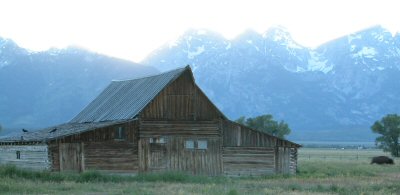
(315, 177)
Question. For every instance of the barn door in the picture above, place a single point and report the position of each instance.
(71, 157)
(158, 154)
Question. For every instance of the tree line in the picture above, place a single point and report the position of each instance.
(388, 128)
(267, 124)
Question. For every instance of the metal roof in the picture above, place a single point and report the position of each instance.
(120, 102)
(123, 100)
(58, 131)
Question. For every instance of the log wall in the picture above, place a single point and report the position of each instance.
(31, 156)
(282, 155)
(248, 161)
(111, 156)
(293, 161)
(101, 150)
(181, 128)
(54, 156)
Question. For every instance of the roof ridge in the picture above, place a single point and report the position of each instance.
(125, 99)
(152, 75)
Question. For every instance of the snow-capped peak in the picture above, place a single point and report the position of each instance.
(278, 33)
(282, 36)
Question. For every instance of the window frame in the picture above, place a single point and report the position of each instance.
(120, 133)
(18, 153)
(192, 144)
(204, 141)
(158, 140)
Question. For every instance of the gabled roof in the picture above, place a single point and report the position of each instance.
(120, 102)
(123, 100)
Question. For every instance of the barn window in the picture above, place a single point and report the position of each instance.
(120, 133)
(189, 144)
(202, 144)
(18, 154)
(161, 140)
(158, 140)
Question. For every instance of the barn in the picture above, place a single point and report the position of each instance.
(152, 124)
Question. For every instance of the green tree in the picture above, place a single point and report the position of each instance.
(267, 124)
(389, 128)
(241, 120)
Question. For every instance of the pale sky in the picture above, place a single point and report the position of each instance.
(131, 29)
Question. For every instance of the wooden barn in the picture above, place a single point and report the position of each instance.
(156, 123)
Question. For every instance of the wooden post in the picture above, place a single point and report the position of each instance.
(60, 156)
(82, 157)
(276, 160)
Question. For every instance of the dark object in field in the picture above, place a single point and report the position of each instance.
(382, 160)
(24, 130)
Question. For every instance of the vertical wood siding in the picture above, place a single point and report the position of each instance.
(71, 157)
(283, 160)
(31, 156)
(238, 135)
(181, 100)
(172, 155)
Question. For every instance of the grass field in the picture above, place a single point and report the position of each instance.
(363, 155)
(327, 171)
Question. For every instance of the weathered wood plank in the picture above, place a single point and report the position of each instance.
(248, 160)
(173, 156)
(110, 155)
(181, 100)
(30, 156)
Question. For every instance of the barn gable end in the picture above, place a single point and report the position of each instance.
(178, 115)
(181, 100)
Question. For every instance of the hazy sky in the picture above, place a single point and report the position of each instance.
(131, 29)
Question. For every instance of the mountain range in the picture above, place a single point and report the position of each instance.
(39, 89)
(332, 93)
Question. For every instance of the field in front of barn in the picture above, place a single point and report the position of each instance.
(321, 171)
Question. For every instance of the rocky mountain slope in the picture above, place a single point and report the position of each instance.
(333, 92)
(39, 89)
